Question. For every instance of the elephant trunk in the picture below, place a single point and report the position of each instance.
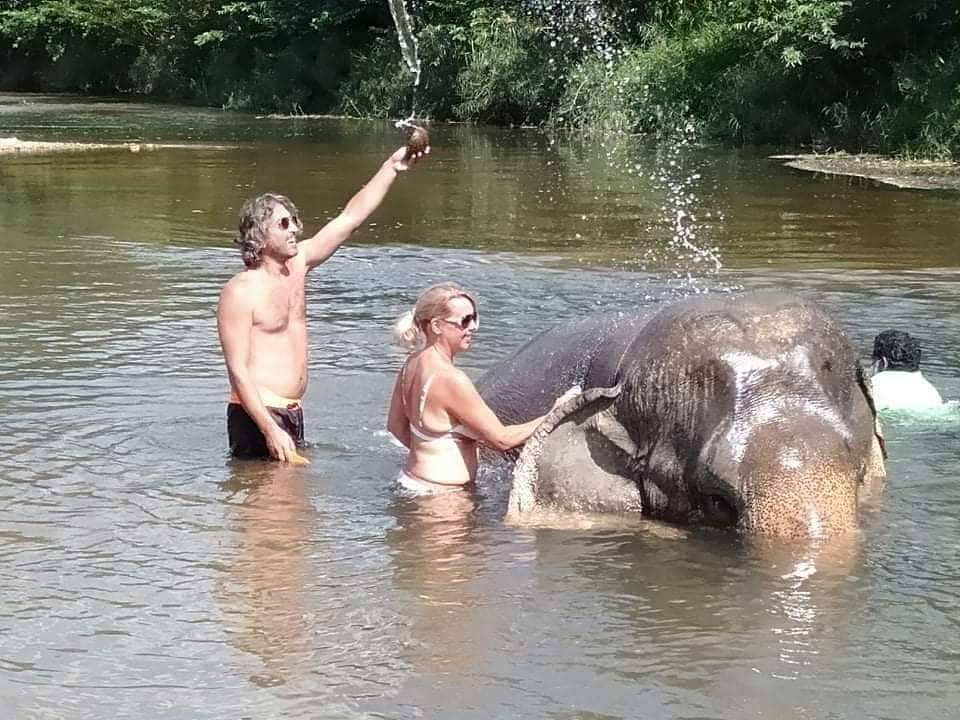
(822, 502)
(799, 484)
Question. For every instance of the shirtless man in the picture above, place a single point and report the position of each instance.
(261, 317)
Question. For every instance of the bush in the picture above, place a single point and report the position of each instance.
(279, 81)
(926, 121)
(507, 77)
(157, 72)
(378, 85)
(670, 81)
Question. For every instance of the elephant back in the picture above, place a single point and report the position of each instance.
(582, 352)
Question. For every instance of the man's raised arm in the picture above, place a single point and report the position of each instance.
(332, 235)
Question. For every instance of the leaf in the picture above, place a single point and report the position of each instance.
(210, 37)
(791, 57)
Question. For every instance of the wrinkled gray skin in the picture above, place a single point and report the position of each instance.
(748, 411)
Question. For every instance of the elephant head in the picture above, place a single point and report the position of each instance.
(750, 412)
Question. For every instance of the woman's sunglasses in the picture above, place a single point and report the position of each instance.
(465, 322)
(285, 222)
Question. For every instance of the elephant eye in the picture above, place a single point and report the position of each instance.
(720, 511)
(828, 365)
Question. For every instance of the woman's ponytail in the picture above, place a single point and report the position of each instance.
(406, 333)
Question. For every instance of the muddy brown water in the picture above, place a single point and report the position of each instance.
(145, 574)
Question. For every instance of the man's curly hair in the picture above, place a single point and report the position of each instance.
(254, 222)
(896, 350)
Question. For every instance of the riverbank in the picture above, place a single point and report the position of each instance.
(14, 146)
(910, 174)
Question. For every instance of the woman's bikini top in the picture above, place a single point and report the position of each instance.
(456, 433)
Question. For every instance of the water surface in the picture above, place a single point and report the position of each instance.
(144, 573)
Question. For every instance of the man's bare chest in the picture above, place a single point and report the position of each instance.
(279, 305)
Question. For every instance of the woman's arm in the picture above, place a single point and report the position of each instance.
(397, 422)
(461, 400)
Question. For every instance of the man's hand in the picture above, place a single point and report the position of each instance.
(280, 444)
(402, 160)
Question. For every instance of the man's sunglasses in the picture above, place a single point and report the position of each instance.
(285, 222)
(465, 322)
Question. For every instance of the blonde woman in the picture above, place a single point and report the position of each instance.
(435, 411)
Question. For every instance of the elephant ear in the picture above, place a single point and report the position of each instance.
(866, 387)
(569, 464)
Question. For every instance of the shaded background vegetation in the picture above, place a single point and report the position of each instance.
(853, 74)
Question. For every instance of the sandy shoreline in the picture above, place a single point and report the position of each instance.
(912, 174)
(14, 146)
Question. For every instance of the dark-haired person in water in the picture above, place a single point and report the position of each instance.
(897, 382)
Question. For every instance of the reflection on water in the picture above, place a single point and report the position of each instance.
(809, 601)
(622, 203)
(437, 560)
(142, 569)
(263, 588)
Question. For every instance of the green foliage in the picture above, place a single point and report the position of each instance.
(87, 44)
(669, 82)
(378, 85)
(506, 77)
(926, 121)
(443, 55)
(492, 69)
(451, 13)
(120, 22)
(797, 30)
(857, 74)
(282, 55)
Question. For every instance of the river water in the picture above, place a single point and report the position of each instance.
(145, 574)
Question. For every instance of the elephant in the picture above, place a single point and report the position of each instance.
(749, 411)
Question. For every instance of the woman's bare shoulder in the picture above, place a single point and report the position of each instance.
(453, 379)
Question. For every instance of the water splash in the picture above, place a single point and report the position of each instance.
(407, 122)
(408, 50)
(680, 210)
(577, 27)
(675, 240)
(408, 41)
